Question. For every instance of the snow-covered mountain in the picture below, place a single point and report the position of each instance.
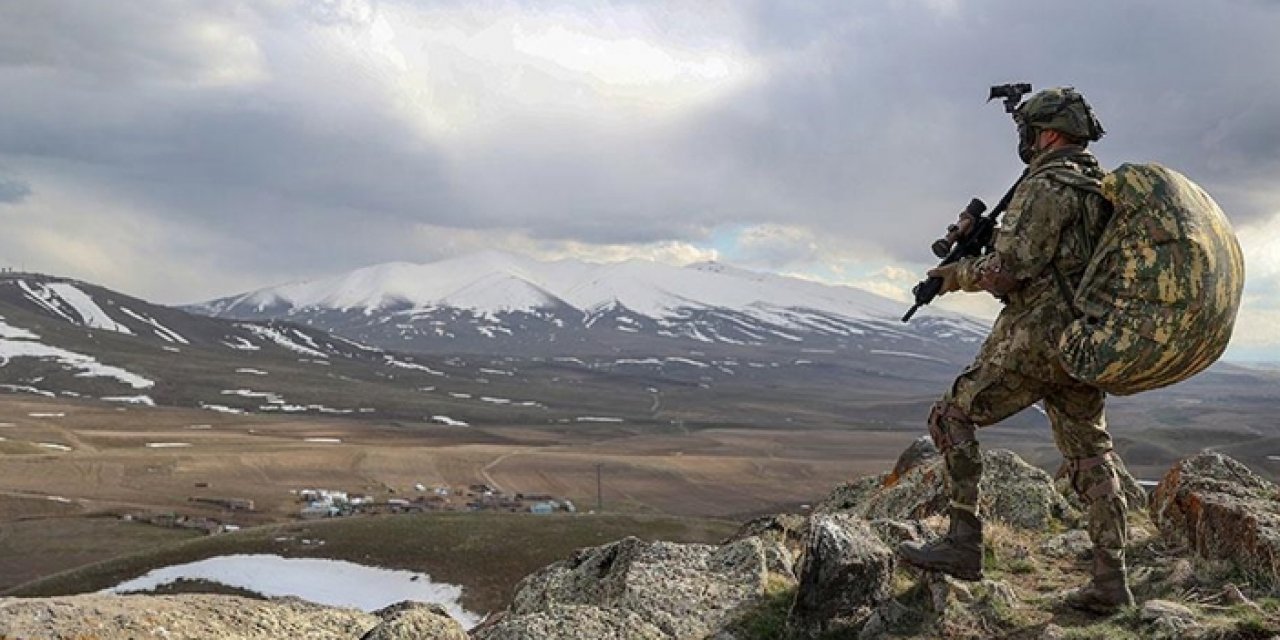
(498, 302)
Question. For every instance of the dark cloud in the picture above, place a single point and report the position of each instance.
(864, 121)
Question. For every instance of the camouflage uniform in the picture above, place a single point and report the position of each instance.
(1053, 220)
(1039, 256)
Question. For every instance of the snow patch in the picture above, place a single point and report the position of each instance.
(165, 333)
(142, 400)
(15, 333)
(283, 340)
(22, 388)
(88, 310)
(88, 366)
(449, 422)
(220, 408)
(167, 445)
(907, 354)
(411, 365)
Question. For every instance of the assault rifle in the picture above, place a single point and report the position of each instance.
(972, 234)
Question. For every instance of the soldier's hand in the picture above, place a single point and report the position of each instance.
(950, 279)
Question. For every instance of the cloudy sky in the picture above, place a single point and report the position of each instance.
(180, 151)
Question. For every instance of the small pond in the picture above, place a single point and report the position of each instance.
(330, 582)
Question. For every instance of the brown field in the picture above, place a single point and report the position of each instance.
(108, 470)
(714, 472)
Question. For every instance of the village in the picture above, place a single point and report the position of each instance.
(329, 503)
(316, 503)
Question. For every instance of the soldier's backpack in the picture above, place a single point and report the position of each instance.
(1159, 297)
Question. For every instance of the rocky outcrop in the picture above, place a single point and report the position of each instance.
(920, 451)
(570, 622)
(1222, 511)
(685, 590)
(845, 574)
(419, 620)
(178, 616)
(1011, 491)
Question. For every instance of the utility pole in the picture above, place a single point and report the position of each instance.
(599, 490)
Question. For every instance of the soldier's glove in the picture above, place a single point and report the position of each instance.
(950, 279)
(956, 276)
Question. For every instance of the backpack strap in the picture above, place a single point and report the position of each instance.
(1068, 174)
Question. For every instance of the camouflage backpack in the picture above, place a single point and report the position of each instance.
(1159, 297)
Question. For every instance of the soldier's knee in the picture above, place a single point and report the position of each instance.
(950, 426)
(1095, 478)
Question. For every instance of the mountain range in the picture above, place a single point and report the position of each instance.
(497, 302)
(496, 339)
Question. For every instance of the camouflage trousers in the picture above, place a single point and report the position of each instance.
(985, 394)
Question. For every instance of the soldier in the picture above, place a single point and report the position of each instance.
(1039, 254)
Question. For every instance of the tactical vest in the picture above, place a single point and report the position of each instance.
(1158, 300)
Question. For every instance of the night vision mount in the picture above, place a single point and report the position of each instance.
(1012, 94)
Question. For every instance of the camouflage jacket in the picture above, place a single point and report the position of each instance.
(1055, 217)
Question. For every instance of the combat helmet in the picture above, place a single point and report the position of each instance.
(1060, 109)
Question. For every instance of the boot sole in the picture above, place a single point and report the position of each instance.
(958, 574)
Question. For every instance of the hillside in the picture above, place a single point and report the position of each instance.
(1201, 557)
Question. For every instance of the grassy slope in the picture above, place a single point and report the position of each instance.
(485, 553)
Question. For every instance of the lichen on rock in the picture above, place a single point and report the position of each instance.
(1223, 511)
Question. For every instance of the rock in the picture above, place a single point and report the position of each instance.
(685, 590)
(920, 451)
(845, 575)
(1011, 491)
(895, 532)
(415, 621)
(1053, 632)
(851, 497)
(571, 622)
(1073, 544)
(962, 607)
(786, 528)
(888, 617)
(186, 616)
(1222, 511)
(783, 534)
(1167, 619)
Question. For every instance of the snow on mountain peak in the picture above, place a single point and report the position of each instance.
(492, 282)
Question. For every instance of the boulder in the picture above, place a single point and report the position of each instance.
(684, 590)
(1011, 491)
(1074, 544)
(846, 573)
(1167, 620)
(416, 621)
(571, 622)
(851, 496)
(1222, 511)
(186, 616)
(920, 451)
(783, 535)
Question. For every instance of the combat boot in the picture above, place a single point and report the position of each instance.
(1109, 590)
(958, 554)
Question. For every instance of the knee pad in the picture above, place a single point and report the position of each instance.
(950, 426)
(1095, 478)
